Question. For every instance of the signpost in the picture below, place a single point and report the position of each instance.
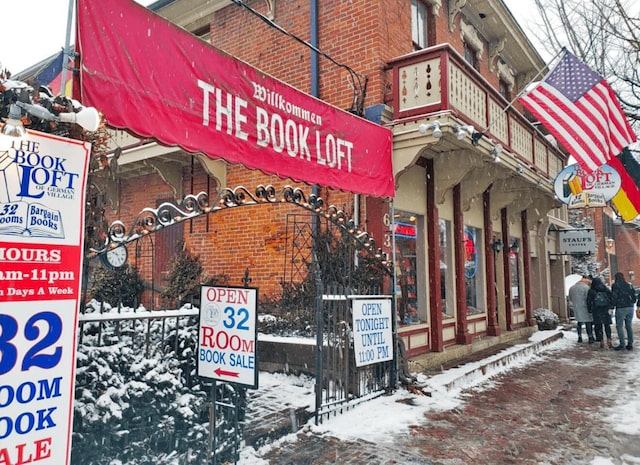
(227, 342)
(42, 191)
(227, 335)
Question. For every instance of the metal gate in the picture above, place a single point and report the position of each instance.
(340, 383)
(321, 249)
(349, 256)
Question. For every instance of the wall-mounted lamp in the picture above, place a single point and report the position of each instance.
(462, 131)
(13, 126)
(88, 117)
(435, 127)
(632, 274)
(495, 153)
(475, 138)
(497, 245)
(610, 242)
(515, 246)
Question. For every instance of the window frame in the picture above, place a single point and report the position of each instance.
(516, 274)
(474, 271)
(421, 34)
(410, 268)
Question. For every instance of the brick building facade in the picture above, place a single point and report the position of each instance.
(470, 228)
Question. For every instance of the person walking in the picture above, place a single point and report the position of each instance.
(624, 298)
(599, 302)
(578, 303)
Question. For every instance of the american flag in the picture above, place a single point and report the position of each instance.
(580, 109)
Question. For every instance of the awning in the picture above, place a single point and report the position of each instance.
(155, 79)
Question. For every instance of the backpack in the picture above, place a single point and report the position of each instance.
(601, 299)
(627, 295)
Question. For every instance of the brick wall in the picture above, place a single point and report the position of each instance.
(361, 34)
(626, 248)
(253, 237)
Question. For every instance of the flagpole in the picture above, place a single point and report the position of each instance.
(67, 51)
(478, 135)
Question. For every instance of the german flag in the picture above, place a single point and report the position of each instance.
(627, 200)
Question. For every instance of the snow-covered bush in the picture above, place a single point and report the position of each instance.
(116, 286)
(546, 319)
(138, 398)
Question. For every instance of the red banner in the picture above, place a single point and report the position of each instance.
(148, 76)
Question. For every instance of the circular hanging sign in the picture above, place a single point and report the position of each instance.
(577, 188)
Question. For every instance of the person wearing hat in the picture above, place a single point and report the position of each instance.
(599, 302)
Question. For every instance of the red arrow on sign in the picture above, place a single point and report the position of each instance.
(221, 372)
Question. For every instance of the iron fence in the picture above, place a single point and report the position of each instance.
(138, 397)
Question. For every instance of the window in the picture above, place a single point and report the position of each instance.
(203, 32)
(470, 55)
(504, 89)
(514, 268)
(419, 24)
(506, 81)
(446, 269)
(474, 288)
(407, 230)
(473, 44)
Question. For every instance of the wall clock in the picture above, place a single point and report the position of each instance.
(115, 258)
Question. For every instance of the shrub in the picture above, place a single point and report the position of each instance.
(116, 286)
(184, 276)
(546, 319)
(136, 406)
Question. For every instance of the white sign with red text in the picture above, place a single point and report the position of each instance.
(227, 337)
(42, 192)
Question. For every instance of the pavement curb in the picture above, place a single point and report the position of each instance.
(463, 376)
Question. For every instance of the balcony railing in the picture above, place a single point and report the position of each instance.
(438, 80)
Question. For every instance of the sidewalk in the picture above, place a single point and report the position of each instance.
(276, 410)
(548, 402)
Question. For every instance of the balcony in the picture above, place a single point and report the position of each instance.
(438, 84)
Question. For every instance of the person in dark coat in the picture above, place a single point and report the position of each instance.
(600, 310)
(624, 299)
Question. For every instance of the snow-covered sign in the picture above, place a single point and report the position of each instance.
(227, 335)
(372, 330)
(41, 223)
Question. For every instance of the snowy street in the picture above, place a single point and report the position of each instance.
(570, 404)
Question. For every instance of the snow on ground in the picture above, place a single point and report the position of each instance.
(402, 408)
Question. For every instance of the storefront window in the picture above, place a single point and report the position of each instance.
(407, 232)
(446, 269)
(514, 267)
(473, 270)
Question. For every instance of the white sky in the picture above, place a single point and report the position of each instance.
(36, 29)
